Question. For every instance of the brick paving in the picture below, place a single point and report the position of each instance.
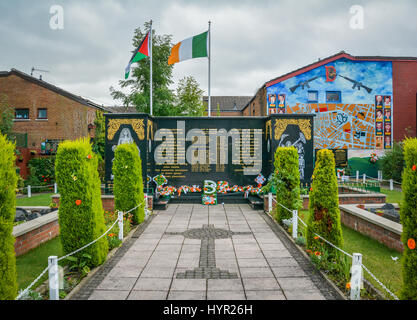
(196, 252)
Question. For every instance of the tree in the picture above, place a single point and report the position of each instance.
(286, 179)
(189, 98)
(408, 216)
(139, 84)
(81, 214)
(128, 183)
(6, 116)
(393, 162)
(324, 218)
(8, 181)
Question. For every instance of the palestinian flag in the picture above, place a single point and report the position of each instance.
(190, 48)
(141, 52)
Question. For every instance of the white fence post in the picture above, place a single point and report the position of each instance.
(294, 224)
(356, 279)
(357, 175)
(379, 175)
(391, 184)
(364, 178)
(145, 198)
(269, 202)
(53, 278)
(29, 192)
(55, 188)
(120, 219)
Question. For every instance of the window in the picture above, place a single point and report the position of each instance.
(42, 114)
(21, 113)
(333, 96)
(313, 96)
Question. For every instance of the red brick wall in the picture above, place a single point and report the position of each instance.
(404, 74)
(107, 201)
(34, 238)
(387, 237)
(67, 119)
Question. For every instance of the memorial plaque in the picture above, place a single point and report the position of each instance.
(340, 157)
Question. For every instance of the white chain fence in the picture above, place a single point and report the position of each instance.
(24, 292)
(341, 250)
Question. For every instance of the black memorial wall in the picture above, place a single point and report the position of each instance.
(189, 150)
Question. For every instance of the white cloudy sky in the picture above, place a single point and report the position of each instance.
(252, 41)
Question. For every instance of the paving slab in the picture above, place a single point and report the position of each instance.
(196, 252)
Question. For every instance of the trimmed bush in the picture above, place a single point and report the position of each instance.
(81, 215)
(324, 218)
(8, 183)
(287, 181)
(393, 162)
(128, 183)
(408, 215)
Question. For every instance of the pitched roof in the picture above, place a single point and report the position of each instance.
(227, 103)
(51, 87)
(121, 109)
(341, 54)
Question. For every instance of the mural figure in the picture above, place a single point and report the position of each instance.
(299, 145)
(124, 137)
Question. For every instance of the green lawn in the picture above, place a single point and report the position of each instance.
(392, 196)
(43, 199)
(376, 257)
(32, 263)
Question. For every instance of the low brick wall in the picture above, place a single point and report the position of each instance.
(358, 198)
(364, 198)
(107, 201)
(31, 234)
(381, 229)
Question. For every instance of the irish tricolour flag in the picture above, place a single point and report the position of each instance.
(141, 52)
(194, 47)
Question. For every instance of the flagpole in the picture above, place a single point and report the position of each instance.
(150, 45)
(209, 63)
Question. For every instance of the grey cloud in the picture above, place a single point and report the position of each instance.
(253, 41)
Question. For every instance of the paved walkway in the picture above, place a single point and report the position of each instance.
(191, 251)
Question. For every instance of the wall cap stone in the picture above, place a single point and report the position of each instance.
(28, 226)
(373, 218)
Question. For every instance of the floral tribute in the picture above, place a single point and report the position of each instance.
(160, 180)
(373, 157)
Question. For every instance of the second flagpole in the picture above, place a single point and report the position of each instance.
(150, 49)
(209, 60)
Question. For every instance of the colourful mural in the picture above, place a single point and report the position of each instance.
(352, 101)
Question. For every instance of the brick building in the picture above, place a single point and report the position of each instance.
(44, 114)
(228, 106)
(360, 102)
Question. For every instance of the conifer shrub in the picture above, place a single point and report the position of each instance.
(81, 215)
(324, 217)
(128, 183)
(286, 179)
(8, 183)
(408, 215)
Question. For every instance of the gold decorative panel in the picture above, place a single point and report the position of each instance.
(136, 124)
(303, 124)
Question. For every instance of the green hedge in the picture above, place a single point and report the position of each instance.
(128, 183)
(408, 216)
(324, 217)
(8, 183)
(77, 179)
(287, 181)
